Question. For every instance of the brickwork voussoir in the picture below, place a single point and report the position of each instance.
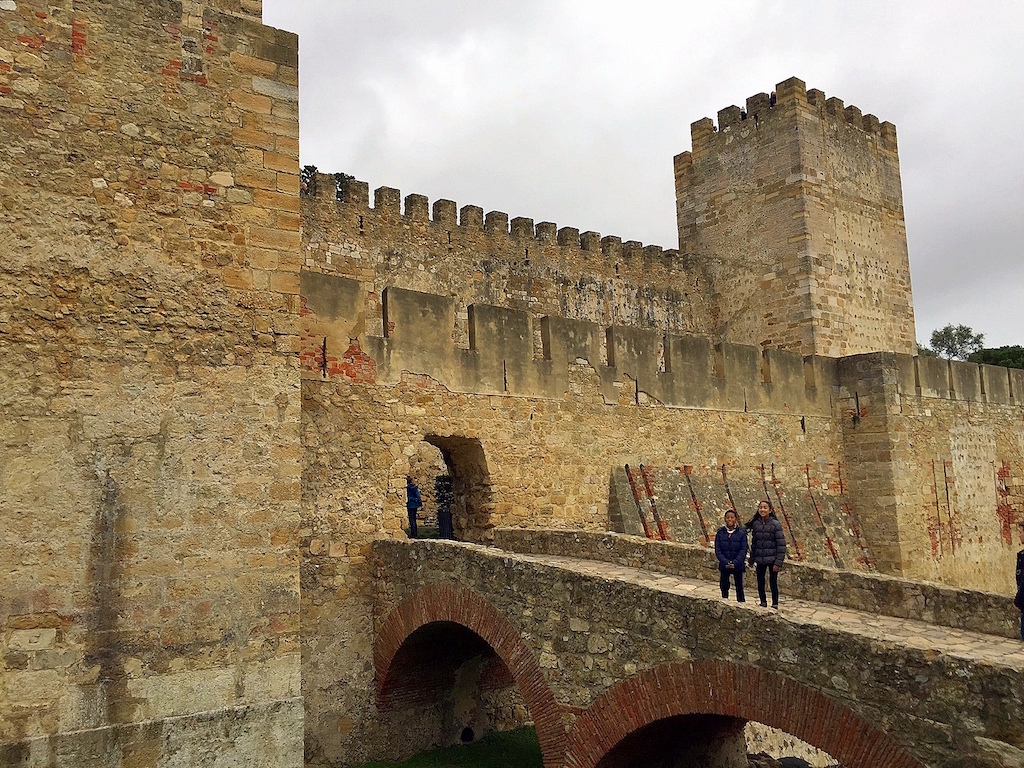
(732, 690)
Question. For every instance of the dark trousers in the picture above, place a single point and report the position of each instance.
(413, 532)
(1022, 626)
(773, 579)
(724, 583)
(444, 524)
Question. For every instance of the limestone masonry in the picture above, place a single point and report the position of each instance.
(217, 369)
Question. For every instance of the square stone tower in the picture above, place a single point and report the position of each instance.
(793, 209)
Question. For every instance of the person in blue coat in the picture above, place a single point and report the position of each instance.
(767, 550)
(413, 502)
(731, 551)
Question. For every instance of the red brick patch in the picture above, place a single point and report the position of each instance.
(733, 690)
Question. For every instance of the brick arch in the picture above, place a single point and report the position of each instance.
(735, 690)
(451, 603)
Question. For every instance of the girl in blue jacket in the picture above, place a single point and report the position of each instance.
(731, 551)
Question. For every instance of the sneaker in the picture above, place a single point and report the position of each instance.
(775, 606)
(764, 605)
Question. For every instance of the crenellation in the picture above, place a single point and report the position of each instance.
(445, 213)
(354, 193)
(631, 249)
(522, 228)
(871, 124)
(965, 380)
(792, 91)
(1016, 376)
(995, 384)
(888, 131)
(591, 242)
(417, 207)
(547, 232)
(387, 201)
(729, 116)
(834, 106)
(701, 133)
(675, 370)
(611, 246)
(933, 377)
(758, 105)
(569, 237)
(471, 218)
(654, 253)
(496, 222)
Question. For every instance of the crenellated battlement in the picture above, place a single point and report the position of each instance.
(446, 216)
(937, 377)
(791, 100)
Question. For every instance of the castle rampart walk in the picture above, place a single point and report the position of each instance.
(621, 649)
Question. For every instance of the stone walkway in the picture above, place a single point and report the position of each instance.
(955, 643)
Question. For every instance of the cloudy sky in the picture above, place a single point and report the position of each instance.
(571, 111)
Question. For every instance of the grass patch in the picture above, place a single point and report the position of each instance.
(511, 749)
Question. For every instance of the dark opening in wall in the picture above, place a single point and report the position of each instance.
(452, 679)
(470, 487)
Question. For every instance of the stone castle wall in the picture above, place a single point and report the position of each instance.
(945, 447)
(149, 445)
(212, 388)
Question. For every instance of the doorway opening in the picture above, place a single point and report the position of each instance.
(455, 486)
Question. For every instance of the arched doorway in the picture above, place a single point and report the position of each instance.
(450, 679)
(426, 468)
(446, 660)
(469, 486)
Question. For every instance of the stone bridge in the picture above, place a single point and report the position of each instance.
(621, 647)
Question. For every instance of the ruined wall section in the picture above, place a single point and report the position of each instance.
(540, 267)
(793, 208)
(149, 440)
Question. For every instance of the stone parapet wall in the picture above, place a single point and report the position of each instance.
(684, 371)
(971, 610)
(934, 466)
(606, 648)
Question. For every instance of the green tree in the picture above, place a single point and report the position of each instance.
(1008, 357)
(956, 342)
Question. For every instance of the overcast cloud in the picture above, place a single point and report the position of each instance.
(571, 111)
